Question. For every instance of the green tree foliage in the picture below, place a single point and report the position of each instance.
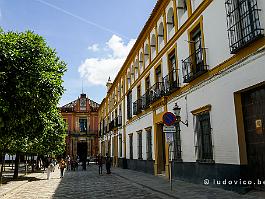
(30, 89)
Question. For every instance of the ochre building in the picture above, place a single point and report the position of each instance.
(81, 117)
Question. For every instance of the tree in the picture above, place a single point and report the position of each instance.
(30, 89)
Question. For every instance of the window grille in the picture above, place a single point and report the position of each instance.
(149, 144)
(204, 147)
(243, 23)
(140, 146)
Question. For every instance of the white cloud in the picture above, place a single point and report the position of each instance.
(94, 48)
(97, 70)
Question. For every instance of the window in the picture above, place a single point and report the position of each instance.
(120, 145)
(177, 144)
(160, 34)
(158, 74)
(243, 23)
(146, 55)
(129, 105)
(204, 148)
(153, 45)
(83, 124)
(140, 145)
(131, 145)
(149, 144)
(182, 7)
(141, 62)
(147, 83)
(195, 64)
(113, 146)
(170, 19)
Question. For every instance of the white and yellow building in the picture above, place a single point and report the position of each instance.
(208, 57)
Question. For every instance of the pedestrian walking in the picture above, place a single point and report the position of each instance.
(62, 166)
(50, 169)
(68, 162)
(100, 163)
(108, 163)
(84, 164)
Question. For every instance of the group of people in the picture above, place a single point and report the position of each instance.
(70, 164)
(100, 161)
(51, 168)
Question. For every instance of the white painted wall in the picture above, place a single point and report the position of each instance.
(137, 125)
(220, 95)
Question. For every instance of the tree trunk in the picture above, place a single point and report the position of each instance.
(32, 163)
(16, 166)
(2, 166)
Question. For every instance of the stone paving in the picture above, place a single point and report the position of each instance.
(120, 184)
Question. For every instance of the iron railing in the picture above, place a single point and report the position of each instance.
(156, 91)
(119, 121)
(111, 125)
(194, 65)
(146, 100)
(137, 106)
(171, 82)
(243, 24)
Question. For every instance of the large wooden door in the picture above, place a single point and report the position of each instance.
(253, 103)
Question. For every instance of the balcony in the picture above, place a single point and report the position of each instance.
(119, 120)
(137, 106)
(111, 125)
(146, 100)
(243, 24)
(194, 65)
(171, 82)
(156, 91)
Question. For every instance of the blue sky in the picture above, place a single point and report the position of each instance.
(92, 36)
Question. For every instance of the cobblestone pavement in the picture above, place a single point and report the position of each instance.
(120, 184)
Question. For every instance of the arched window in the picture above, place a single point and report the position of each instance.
(153, 45)
(182, 7)
(160, 33)
(170, 19)
(141, 62)
(128, 78)
(146, 54)
(136, 68)
(132, 73)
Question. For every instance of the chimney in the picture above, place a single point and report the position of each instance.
(109, 83)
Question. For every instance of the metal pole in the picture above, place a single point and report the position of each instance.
(170, 168)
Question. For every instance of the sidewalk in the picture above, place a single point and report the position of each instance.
(181, 189)
(121, 183)
(23, 179)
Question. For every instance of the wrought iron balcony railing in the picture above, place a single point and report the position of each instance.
(194, 65)
(156, 91)
(111, 125)
(137, 106)
(243, 24)
(146, 100)
(119, 120)
(171, 82)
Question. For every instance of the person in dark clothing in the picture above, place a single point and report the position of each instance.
(84, 164)
(108, 163)
(100, 163)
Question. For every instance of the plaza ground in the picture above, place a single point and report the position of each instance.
(122, 183)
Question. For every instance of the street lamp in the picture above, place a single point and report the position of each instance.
(176, 110)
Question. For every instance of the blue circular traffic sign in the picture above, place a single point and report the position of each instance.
(169, 118)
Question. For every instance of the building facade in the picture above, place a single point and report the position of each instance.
(208, 57)
(81, 117)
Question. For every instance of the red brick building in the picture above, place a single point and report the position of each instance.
(81, 117)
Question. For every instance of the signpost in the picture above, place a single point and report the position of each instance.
(169, 128)
(169, 118)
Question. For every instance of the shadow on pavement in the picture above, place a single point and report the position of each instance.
(6, 180)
